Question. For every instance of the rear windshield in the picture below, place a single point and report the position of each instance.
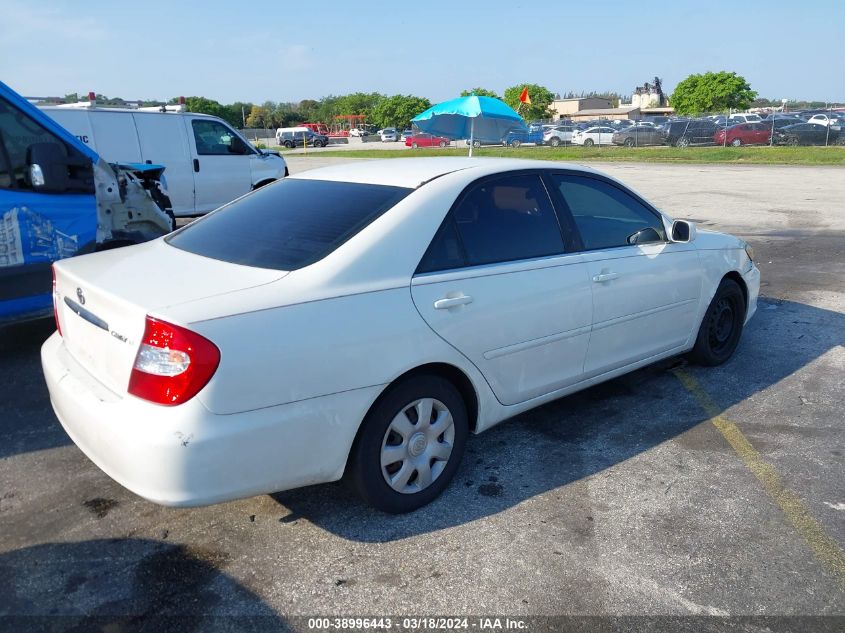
(289, 224)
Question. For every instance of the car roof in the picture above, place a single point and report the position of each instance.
(414, 172)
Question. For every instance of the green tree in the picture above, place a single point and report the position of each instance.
(712, 92)
(259, 117)
(398, 110)
(202, 105)
(541, 99)
(480, 92)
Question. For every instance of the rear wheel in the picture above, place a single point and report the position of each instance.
(589, 142)
(442, 143)
(409, 445)
(476, 143)
(682, 142)
(722, 325)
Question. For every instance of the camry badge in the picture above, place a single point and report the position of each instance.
(81, 296)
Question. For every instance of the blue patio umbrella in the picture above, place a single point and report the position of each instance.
(472, 117)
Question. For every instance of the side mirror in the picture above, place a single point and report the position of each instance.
(683, 231)
(47, 167)
(237, 146)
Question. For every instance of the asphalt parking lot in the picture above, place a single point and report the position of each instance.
(676, 490)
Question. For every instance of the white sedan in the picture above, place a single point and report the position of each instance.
(364, 319)
(593, 136)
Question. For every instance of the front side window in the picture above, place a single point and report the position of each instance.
(17, 133)
(215, 139)
(607, 216)
(501, 220)
(289, 224)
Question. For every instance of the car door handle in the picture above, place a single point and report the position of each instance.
(602, 277)
(196, 164)
(451, 302)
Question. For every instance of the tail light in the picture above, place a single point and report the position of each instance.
(56, 302)
(173, 363)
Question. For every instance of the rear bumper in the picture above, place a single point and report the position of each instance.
(188, 456)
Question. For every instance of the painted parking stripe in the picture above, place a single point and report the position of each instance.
(824, 548)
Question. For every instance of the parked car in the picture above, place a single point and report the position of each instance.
(208, 162)
(808, 134)
(744, 134)
(744, 118)
(457, 300)
(534, 135)
(60, 198)
(357, 131)
(637, 135)
(389, 134)
(300, 137)
(835, 121)
(426, 140)
(558, 135)
(598, 135)
(685, 132)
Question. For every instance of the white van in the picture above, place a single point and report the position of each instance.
(207, 162)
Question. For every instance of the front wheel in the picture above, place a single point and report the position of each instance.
(414, 145)
(410, 445)
(442, 143)
(288, 144)
(736, 142)
(682, 142)
(516, 142)
(554, 141)
(589, 142)
(721, 327)
(629, 142)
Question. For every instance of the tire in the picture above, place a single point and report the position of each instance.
(589, 142)
(554, 141)
(414, 145)
(736, 142)
(629, 142)
(793, 141)
(682, 142)
(288, 144)
(392, 429)
(721, 327)
(442, 143)
(476, 143)
(516, 143)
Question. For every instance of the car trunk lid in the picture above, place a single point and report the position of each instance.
(102, 299)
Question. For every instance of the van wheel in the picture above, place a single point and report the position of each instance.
(288, 144)
(718, 335)
(410, 445)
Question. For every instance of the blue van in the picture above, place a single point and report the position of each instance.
(59, 199)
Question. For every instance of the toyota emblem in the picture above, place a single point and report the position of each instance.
(80, 295)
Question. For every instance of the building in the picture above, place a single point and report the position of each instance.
(568, 108)
(650, 99)
(610, 114)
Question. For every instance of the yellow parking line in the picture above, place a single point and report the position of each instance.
(823, 546)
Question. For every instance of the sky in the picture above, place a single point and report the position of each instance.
(259, 50)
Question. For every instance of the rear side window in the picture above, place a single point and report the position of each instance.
(289, 224)
(502, 220)
(606, 216)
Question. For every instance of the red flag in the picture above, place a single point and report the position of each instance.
(524, 98)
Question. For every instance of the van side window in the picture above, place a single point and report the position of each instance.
(17, 133)
(215, 139)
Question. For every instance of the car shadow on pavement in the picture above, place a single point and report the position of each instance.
(568, 440)
(126, 585)
(27, 421)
